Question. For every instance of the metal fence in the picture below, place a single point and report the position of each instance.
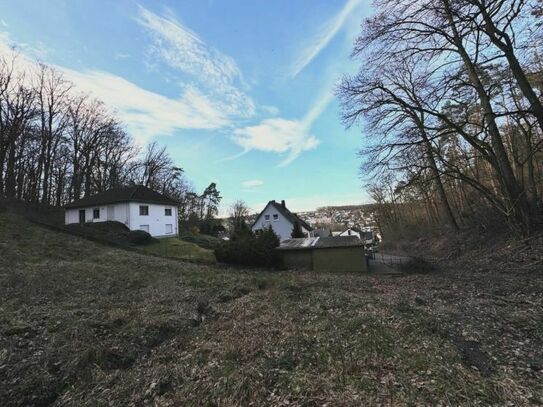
(401, 262)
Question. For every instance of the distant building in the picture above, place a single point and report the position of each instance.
(366, 235)
(321, 233)
(280, 219)
(352, 232)
(138, 207)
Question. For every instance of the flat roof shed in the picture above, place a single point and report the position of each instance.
(338, 253)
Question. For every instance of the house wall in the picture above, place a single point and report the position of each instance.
(119, 213)
(339, 259)
(71, 216)
(297, 259)
(156, 220)
(282, 226)
(128, 214)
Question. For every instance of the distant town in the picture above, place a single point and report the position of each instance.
(337, 218)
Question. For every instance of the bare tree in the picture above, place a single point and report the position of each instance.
(239, 211)
(448, 74)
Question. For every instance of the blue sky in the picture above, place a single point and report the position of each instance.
(240, 91)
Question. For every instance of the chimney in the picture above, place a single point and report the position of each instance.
(283, 204)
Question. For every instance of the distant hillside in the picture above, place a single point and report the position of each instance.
(363, 207)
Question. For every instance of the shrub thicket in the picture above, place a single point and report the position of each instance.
(138, 237)
(248, 249)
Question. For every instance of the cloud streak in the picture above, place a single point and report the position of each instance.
(252, 183)
(183, 50)
(147, 114)
(283, 136)
(323, 37)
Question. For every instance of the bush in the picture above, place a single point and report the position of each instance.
(249, 250)
(111, 227)
(138, 237)
(204, 241)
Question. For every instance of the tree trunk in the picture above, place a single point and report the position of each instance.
(515, 196)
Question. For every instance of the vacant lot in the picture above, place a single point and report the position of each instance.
(83, 324)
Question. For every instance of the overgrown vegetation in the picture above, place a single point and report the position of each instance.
(247, 249)
(77, 318)
(115, 233)
(204, 241)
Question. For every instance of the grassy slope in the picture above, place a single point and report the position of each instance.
(82, 324)
(174, 247)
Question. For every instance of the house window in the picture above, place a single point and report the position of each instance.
(267, 217)
(144, 210)
(169, 229)
(275, 217)
(96, 213)
(145, 228)
(167, 211)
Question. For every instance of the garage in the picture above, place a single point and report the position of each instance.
(338, 253)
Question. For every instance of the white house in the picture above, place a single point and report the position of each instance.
(280, 219)
(138, 207)
(363, 234)
(352, 232)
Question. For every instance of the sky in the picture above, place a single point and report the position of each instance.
(240, 91)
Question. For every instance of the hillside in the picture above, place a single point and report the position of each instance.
(82, 324)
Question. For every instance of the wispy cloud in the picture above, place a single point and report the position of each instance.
(146, 114)
(252, 183)
(37, 50)
(283, 136)
(323, 37)
(182, 49)
(121, 55)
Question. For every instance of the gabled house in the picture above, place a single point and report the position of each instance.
(363, 234)
(352, 232)
(138, 207)
(280, 219)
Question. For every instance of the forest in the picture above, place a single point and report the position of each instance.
(449, 96)
(58, 145)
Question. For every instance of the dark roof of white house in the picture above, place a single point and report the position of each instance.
(320, 243)
(136, 193)
(291, 217)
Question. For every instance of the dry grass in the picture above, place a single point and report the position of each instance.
(180, 249)
(85, 325)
